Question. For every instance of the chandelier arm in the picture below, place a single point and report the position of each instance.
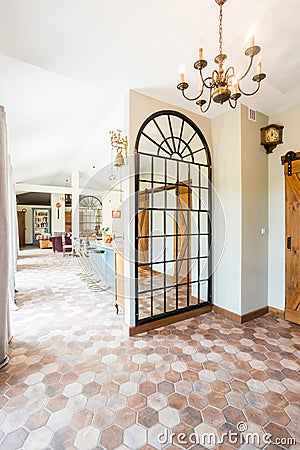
(232, 105)
(204, 80)
(248, 69)
(192, 99)
(248, 94)
(214, 76)
(208, 105)
(227, 72)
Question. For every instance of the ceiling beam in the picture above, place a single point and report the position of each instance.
(22, 188)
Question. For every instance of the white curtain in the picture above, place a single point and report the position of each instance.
(13, 236)
(6, 255)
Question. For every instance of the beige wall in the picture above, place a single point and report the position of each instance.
(254, 165)
(241, 182)
(227, 185)
(291, 141)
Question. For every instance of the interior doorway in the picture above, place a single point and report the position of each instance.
(292, 223)
(173, 220)
(21, 227)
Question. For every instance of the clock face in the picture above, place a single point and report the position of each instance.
(272, 135)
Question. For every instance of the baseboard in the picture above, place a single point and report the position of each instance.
(277, 312)
(225, 312)
(254, 314)
(132, 331)
(168, 320)
(245, 317)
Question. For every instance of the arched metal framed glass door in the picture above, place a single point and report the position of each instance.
(173, 217)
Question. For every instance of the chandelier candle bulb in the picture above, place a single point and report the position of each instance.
(181, 71)
(200, 53)
(259, 66)
(234, 84)
(252, 35)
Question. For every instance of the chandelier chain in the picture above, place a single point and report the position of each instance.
(221, 30)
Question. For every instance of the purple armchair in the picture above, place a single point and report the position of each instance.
(61, 243)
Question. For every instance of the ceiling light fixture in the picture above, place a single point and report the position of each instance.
(222, 86)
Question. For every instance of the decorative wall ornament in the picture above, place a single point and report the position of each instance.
(120, 145)
(58, 205)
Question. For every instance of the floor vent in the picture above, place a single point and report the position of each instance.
(252, 114)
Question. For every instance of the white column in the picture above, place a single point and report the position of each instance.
(75, 203)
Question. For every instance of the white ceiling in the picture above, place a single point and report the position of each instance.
(66, 65)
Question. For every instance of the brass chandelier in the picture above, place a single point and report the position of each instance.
(222, 86)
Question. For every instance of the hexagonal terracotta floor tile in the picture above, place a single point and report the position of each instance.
(177, 401)
(103, 418)
(190, 416)
(148, 417)
(125, 417)
(111, 437)
(137, 401)
(212, 416)
(147, 388)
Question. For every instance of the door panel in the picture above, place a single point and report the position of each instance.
(143, 228)
(292, 252)
(21, 228)
(183, 229)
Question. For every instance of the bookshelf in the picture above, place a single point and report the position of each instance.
(41, 223)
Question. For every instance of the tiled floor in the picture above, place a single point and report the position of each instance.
(76, 381)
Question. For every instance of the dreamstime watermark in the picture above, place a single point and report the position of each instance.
(241, 436)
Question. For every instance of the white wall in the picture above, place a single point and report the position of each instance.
(112, 200)
(291, 141)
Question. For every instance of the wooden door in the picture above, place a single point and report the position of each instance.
(21, 228)
(292, 252)
(184, 197)
(68, 221)
(143, 228)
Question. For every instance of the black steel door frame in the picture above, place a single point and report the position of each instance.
(172, 144)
